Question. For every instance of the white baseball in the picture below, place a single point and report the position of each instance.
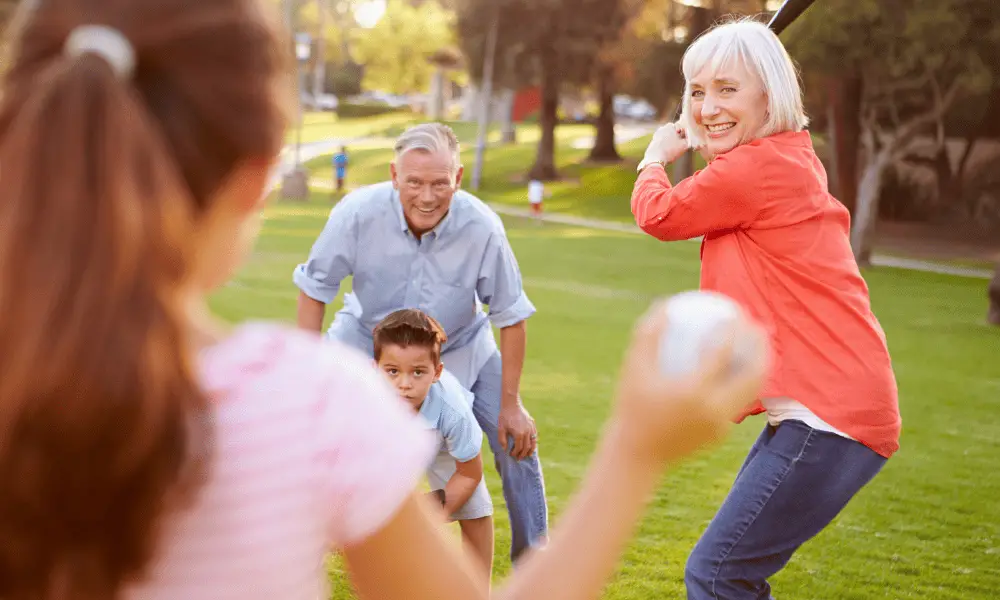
(695, 320)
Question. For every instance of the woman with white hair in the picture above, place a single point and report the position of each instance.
(776, 241)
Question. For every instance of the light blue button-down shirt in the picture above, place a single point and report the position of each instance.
(449, 273)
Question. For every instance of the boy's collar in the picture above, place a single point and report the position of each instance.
(430, 408)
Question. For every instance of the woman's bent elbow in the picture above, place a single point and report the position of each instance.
(657, 229)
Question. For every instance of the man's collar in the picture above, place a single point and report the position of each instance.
(398, 207)
(439, 229)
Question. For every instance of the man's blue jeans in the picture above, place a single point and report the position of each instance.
(794, 482)
(523, 484)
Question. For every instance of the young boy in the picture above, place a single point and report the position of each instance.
(340, 161)
(536, 195)
(408, 350)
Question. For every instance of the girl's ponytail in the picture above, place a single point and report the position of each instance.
(104, 172)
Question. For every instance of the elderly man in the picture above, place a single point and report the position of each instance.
(420, 242)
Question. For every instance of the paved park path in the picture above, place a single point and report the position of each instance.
(313, 150)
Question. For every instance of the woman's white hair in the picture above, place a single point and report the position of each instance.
(432, 138)
(754, 45)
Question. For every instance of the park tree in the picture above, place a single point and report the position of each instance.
(657, 38)
(553, 43)
(993, 293)
(396, 52)
(333, 27)
(612, 66)
(915, 59)
(342, 75)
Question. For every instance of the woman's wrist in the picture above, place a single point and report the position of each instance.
(648, 162)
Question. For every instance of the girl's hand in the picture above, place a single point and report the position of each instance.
(663, 418)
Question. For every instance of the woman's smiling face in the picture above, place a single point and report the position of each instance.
(729, 106)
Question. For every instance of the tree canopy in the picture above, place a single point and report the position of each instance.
(397, 51)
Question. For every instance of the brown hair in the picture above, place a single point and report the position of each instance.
(409, 327)
(104, 430)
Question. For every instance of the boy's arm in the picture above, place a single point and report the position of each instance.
(464, 440)
(462, 484)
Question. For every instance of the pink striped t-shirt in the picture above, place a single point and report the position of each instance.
(313, 451)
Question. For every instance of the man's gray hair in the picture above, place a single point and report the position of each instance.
(432, 138)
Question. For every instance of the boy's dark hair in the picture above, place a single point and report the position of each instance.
(409, 327)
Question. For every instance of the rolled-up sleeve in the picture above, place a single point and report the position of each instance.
(500, 284)
(332, 257)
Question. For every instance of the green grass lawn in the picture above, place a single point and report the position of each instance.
(320, 126)
(927, 527)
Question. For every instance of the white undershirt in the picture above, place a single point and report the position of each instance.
(786, 409)
(536, 191)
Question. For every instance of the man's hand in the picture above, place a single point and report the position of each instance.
(517, 425)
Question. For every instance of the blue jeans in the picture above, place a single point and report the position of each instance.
(523, 484)
(794, 482)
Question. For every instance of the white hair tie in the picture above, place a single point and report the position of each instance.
(106, 42)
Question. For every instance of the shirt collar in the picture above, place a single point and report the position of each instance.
(430, 410)
(398, 208)
(441, 228)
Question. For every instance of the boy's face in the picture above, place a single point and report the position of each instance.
(412, 370)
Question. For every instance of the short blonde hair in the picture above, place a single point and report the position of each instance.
(759, 49)
(432, 138)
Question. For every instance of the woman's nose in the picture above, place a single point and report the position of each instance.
(709, 108)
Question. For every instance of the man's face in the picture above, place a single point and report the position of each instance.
(412, 370)
(426, 183)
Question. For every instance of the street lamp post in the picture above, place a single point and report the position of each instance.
(296, 182)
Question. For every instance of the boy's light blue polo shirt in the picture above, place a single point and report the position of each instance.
(448, 409)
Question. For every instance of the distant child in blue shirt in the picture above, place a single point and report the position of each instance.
(340, 167)
(408, 350)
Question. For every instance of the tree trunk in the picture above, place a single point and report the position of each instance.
(832, 182)
(319, 67)
(604, 141)
(845, 127)
(544, 168)
(988, 126)
(993, 316)
(470, 102)
(435, 100)
(507, 128)
(866, 211)
(956, 192)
